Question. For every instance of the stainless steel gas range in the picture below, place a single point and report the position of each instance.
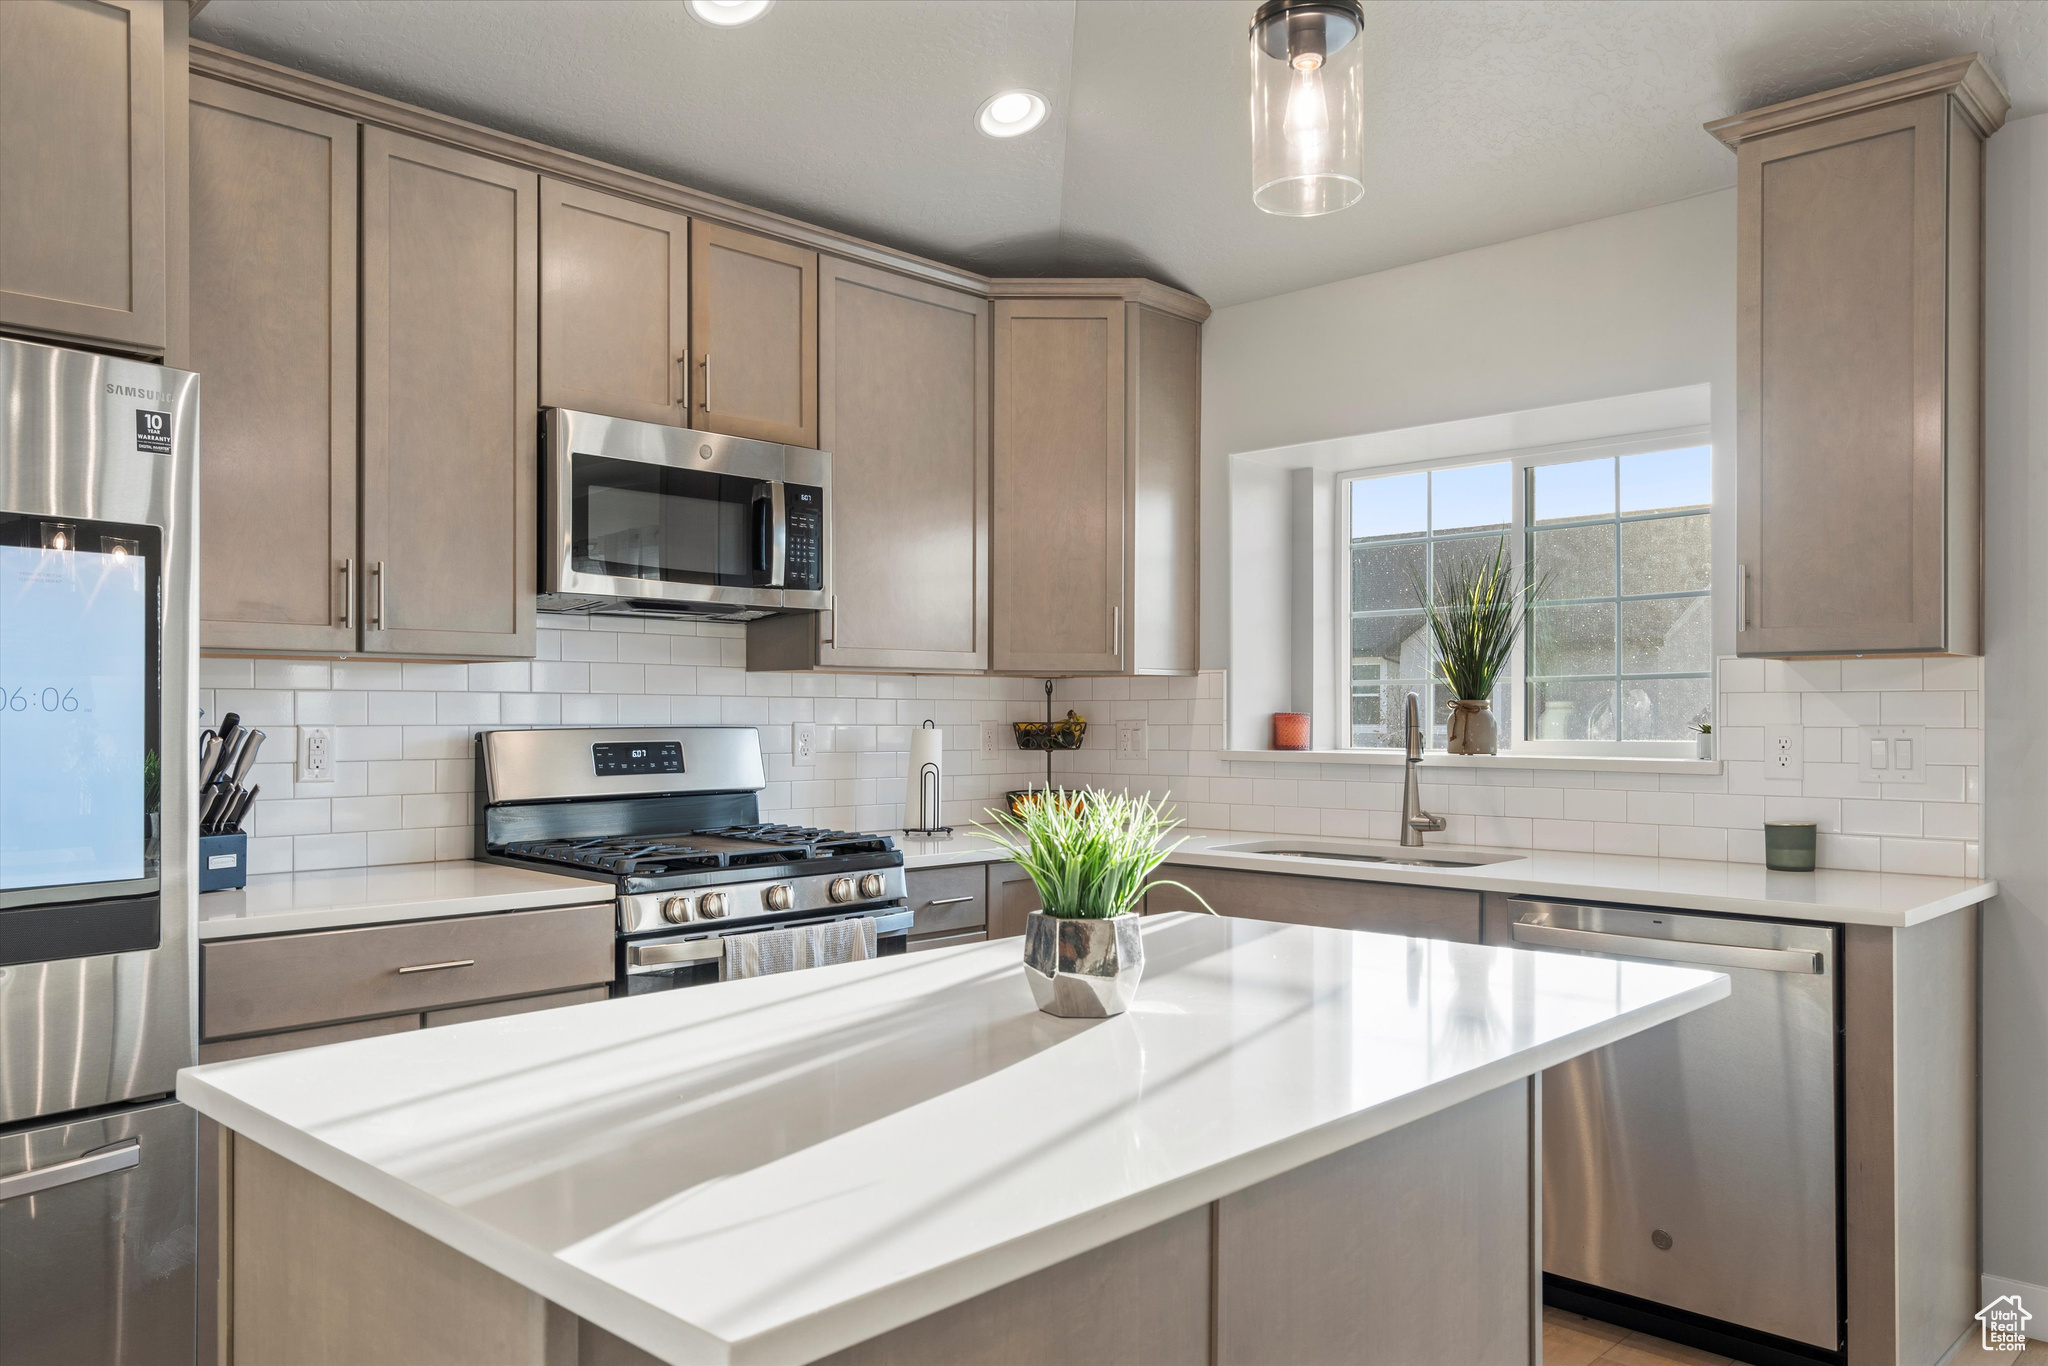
(670, 817)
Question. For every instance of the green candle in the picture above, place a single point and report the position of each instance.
(1788, 846)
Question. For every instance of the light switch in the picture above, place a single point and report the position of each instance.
(1880, 754)
(1889, 754)
(1903, 751)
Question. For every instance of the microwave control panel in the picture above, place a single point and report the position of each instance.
(804, 537)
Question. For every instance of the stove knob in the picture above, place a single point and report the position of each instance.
(779, 897)
(676, 910)
(871, 886)
(711, 906)
(841, 889)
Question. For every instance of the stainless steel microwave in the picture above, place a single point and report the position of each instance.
(639, 519)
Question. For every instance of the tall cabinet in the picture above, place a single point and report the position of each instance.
(1859, 374)
(903, 397)
(1097, 465)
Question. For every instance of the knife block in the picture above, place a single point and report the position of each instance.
(223, 862)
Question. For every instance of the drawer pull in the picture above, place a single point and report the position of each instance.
(948, 900)
(117, 1158)
(437, 967)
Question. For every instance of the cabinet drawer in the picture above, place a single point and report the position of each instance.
(519, 1005)
(252, 986)
(256, 1045)
(948, 899)
(1381, 907)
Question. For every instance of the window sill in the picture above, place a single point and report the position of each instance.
(1438, 759)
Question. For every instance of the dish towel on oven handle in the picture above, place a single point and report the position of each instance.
(799, 946)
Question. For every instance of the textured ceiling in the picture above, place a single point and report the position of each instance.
(1485, 121)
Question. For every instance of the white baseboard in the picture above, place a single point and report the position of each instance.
(2034, 1297)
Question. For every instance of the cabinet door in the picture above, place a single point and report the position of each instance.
(1011, 897)
(754, 326)
(1340, 903)
(274, 333)
(614, 306)
(1841, 357)
(903, 388)
(450, 419)
(1059, 522)
(82, 170)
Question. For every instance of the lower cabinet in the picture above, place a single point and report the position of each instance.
(1011, 897)
(1340, 903)
(950, 905)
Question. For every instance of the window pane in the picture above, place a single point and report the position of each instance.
(1385, 574)
(1660, 481)
(1663, 708)
(1572, 711)
(1470, 497)
(1576, 562)
(1572, 640)
(1377, 710)
(1669, 555)
(1396, 642)
(1466, 555)
(1666, 636)
(1583, 488)
(1391, 505)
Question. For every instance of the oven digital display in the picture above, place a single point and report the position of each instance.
(665, 756)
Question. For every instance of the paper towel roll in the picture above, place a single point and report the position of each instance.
(922, 780)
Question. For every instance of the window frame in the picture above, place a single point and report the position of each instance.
(1520, 461)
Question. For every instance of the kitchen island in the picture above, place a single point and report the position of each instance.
(1301, 1143)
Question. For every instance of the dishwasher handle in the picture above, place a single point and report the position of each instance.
(1667, 950)
(119, 1157)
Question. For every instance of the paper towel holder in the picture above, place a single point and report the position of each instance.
(927, 779)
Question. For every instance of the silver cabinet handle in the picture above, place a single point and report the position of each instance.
(437, 967)
(1116, 619)
(377, 617)
(348, 592)
(707, 381)
(683, 368)
(1742, 597)
(120, 1157)
(832, 619)
(948, 900)
(1668, 950)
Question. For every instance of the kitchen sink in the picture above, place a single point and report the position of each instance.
(1390, 854)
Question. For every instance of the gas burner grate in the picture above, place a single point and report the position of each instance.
(622, 857)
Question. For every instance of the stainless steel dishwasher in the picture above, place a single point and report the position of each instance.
(1695, 1166)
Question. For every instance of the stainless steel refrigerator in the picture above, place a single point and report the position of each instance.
(98, 669)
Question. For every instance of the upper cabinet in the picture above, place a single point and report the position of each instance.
(903, 390)
(1859, 374)
(754, 329)
(450, 285)
(273, 332)
(82, 171)
(614, 306)
(1096, 509)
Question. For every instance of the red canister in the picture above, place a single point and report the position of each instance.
(1290, 730)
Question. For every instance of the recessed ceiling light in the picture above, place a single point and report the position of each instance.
(1010, 113)
(729, 13)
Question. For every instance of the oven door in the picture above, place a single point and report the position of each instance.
(640, 511)
(697, 958)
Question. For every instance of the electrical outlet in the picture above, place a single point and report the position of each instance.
(316, 754)
(1891, 754)
(803, 744)
(1131, 739)
(991, 739)
(1784, 751)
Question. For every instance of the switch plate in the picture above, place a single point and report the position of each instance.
(1784, 751)
(803, 744)
(1132, 740)
(1891, 754)
(316, 754)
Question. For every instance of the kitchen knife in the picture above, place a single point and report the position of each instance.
(245, 758)
(223, 772)
(229, 724)
(209, 755)
(233, 824)
(211, 806)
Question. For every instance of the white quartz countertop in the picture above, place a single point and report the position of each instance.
(1896, 900)
(772, 1169)
(279, 903)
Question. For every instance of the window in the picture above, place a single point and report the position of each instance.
(1618, 652)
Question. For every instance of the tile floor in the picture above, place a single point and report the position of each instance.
(1571, 1340)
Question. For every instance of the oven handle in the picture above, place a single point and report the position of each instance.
(705, 948)
(118, 1157)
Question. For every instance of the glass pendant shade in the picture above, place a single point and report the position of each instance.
(1308, 107)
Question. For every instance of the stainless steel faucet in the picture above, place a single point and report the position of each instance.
(1414, 820)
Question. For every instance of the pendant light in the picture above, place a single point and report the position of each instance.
(1308, 106)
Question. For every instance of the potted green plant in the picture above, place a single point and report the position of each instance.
(1091, 855)
(1473, 619)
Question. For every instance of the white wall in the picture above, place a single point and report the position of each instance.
(2015, 971)
(1623, 305)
